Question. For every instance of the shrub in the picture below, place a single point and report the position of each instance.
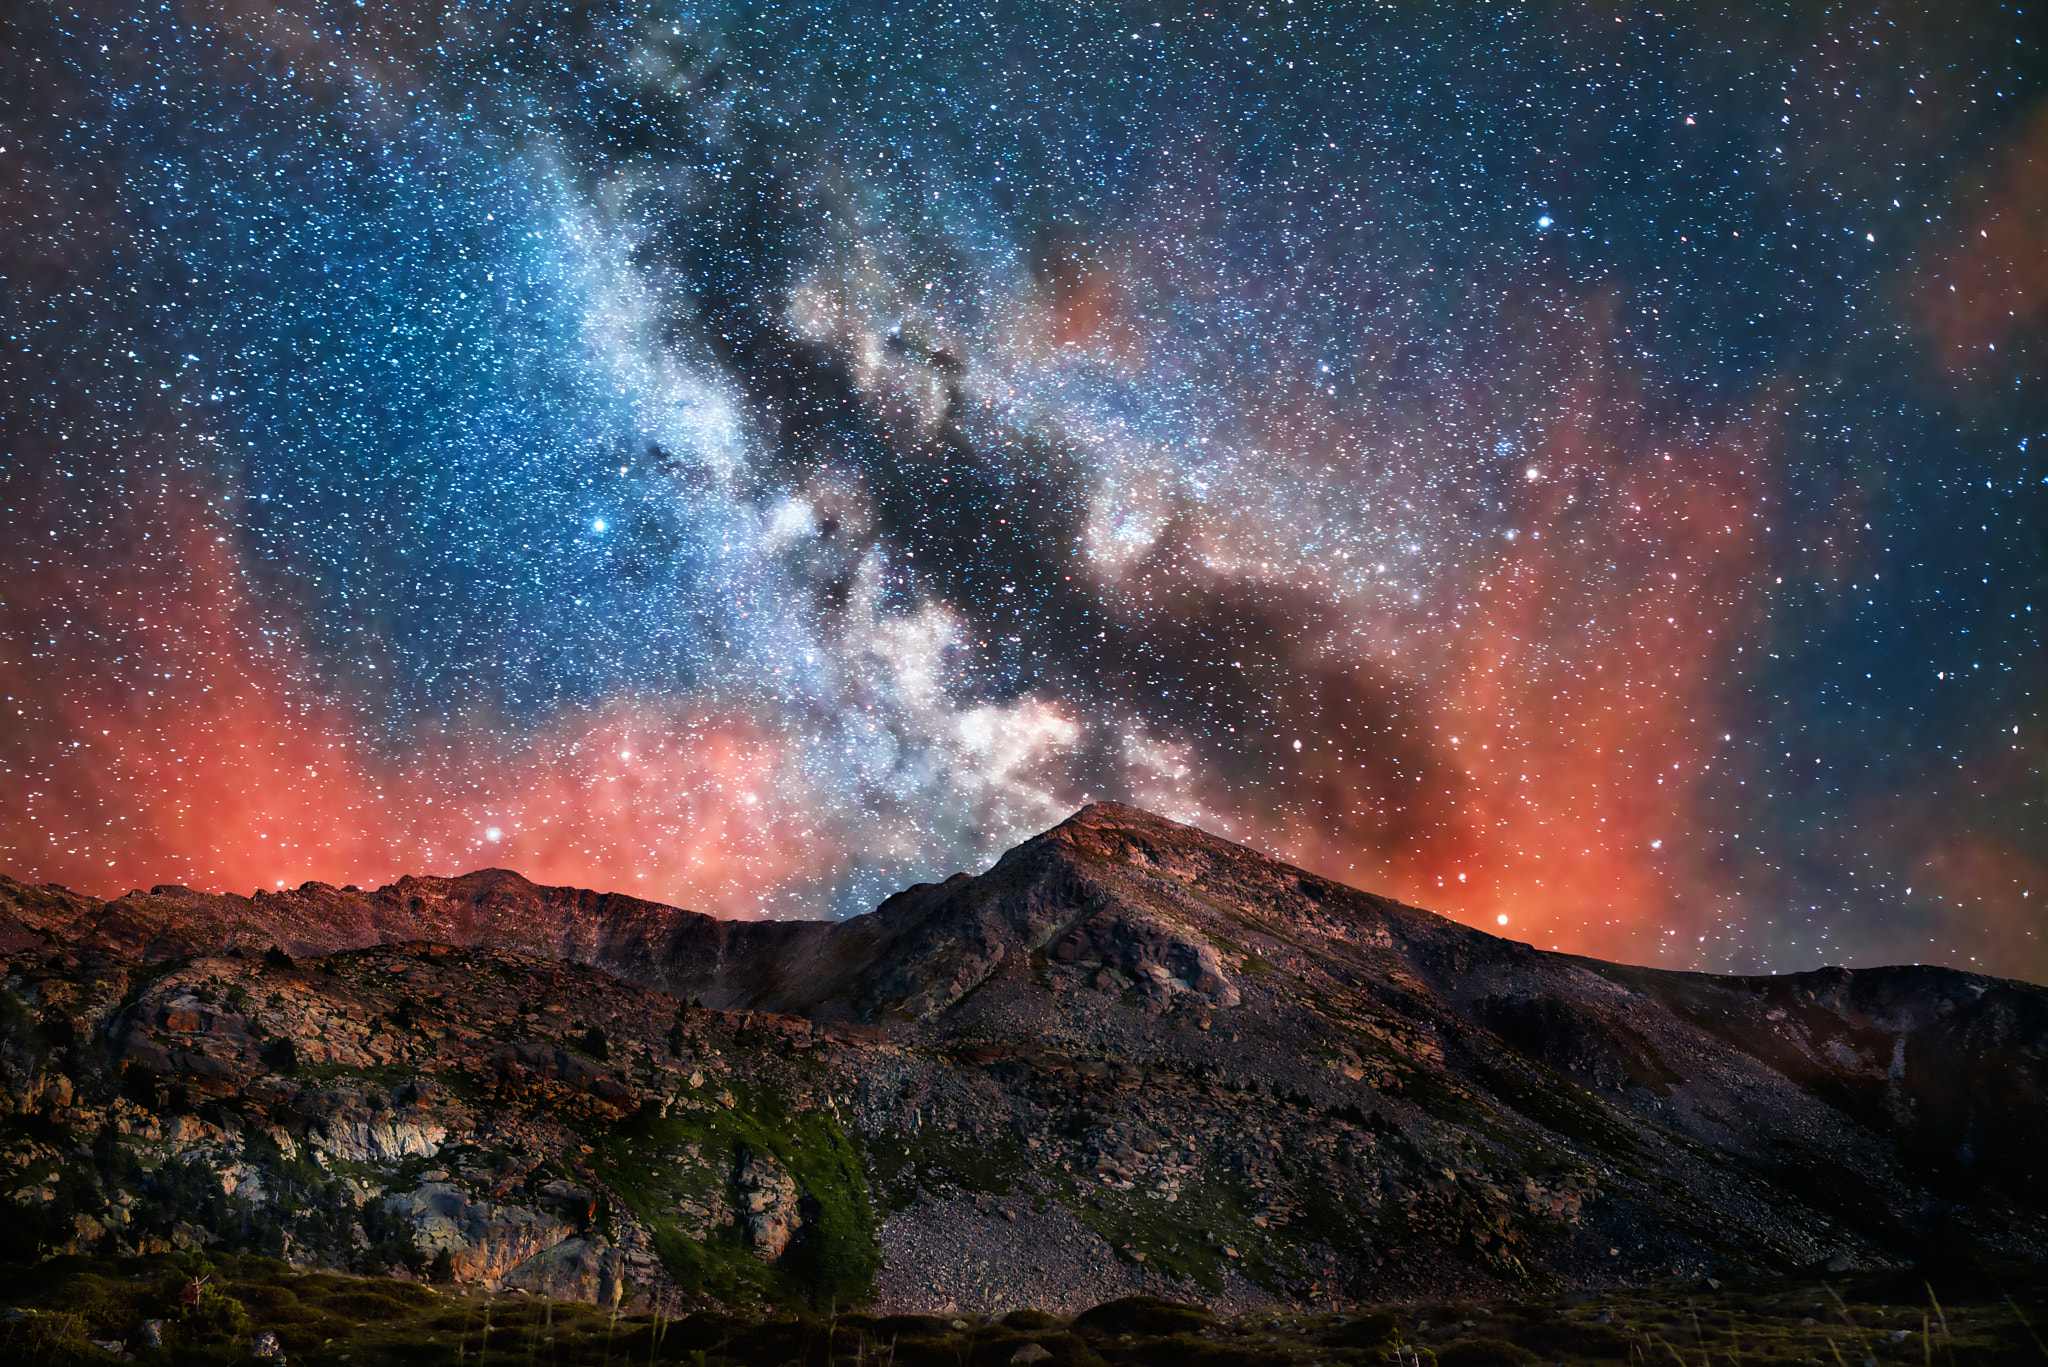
(217, 1319)
(927, 1352)
(48, 1341)
(1574, 1338)
(912, 1326)
(1186, 1350)
(268, 1299)
(1142, 1315)
(410, 1295)
(1068, 1350)
(302, 1336)
(1372, 1329)
(1481, 1352)
(366, 1302)
(93, 1302)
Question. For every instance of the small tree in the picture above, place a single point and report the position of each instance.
(442, 1270)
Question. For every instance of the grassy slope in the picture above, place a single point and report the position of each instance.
(1961, 1317)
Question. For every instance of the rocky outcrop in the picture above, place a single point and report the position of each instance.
(488, 1243)
(769, 1205)
(574, 1269)
(1158, 958)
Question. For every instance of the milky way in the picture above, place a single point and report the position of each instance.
(1565, 467)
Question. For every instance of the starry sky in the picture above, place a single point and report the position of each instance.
(1579, 468)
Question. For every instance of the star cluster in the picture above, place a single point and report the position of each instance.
(1565, 466)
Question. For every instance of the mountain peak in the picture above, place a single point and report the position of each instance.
(1128, 1035)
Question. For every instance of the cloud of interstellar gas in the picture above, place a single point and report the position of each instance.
(1565, 466)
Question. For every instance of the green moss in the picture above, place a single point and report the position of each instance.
(837, 1252)
(1184, 1238)
(930, 1155)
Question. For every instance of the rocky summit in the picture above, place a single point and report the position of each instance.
(1131, 1058)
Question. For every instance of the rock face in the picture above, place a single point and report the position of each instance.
(1131, 1057)
(769, 1202)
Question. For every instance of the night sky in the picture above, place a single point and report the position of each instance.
(1582, 469)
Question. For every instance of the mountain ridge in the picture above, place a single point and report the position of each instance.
(1189, 1068)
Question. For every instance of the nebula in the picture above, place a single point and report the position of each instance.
(1577, 472)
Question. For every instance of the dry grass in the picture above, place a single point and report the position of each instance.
(1969, 1317)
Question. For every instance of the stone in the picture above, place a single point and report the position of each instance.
(768, 1204)
(485, 1241)
(577, 1268)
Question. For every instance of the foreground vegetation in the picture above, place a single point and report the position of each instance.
(80, 1311)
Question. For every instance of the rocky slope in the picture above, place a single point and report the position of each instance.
(1131, 1057)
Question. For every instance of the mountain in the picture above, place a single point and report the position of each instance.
(1130, 1057)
